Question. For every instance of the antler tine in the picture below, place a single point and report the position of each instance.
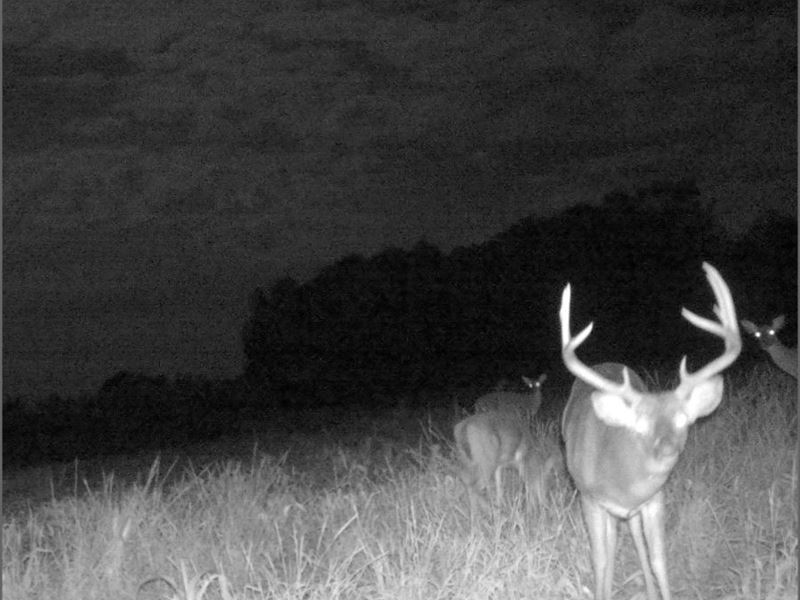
(727, 328)
(567, 341)
(568, 346)
(563, 315)
(725, 310)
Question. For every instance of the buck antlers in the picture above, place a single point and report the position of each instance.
(727, 329)
(622, 441)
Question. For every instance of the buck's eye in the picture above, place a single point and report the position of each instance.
(757, 334)
(771, 332)
(681, 420)
(642, 426)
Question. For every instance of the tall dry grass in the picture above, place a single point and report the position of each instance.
(393, 522)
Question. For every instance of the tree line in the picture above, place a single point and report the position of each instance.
(419, 323)
(405, 320)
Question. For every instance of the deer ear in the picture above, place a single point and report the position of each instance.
(749, 326)
(704, 398)
(778, 322)
(613, 410)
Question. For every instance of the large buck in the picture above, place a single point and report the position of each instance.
(767, 337)
(622, 441)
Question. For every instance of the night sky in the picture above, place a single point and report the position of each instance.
(161, 160)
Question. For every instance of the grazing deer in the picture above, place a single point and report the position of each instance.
(767, 338)
(523, 404)
(622, 441)
(487, 443)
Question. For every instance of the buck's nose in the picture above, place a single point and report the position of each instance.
(667, 446)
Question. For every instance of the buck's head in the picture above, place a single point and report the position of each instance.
(658, 422)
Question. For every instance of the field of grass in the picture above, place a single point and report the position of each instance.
(367, 517)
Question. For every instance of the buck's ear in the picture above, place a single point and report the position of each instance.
(778, 322)
(613, 410)
(704, 398)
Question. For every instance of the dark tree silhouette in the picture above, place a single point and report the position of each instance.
(406, 320)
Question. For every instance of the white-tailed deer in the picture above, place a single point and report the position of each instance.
(767, 338)
(622, 441)
(487, 443)
(523, 404)
(785, 358)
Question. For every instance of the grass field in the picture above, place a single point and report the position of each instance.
(366, 516)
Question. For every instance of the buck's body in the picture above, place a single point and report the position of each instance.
(617, 478)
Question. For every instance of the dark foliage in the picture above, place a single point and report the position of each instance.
(129, 413)
(379, 329)
(402, 321)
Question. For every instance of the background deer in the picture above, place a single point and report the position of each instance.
(767, 338)
(523, 404)
(487, 443)
(785, 358)
(622, 441)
